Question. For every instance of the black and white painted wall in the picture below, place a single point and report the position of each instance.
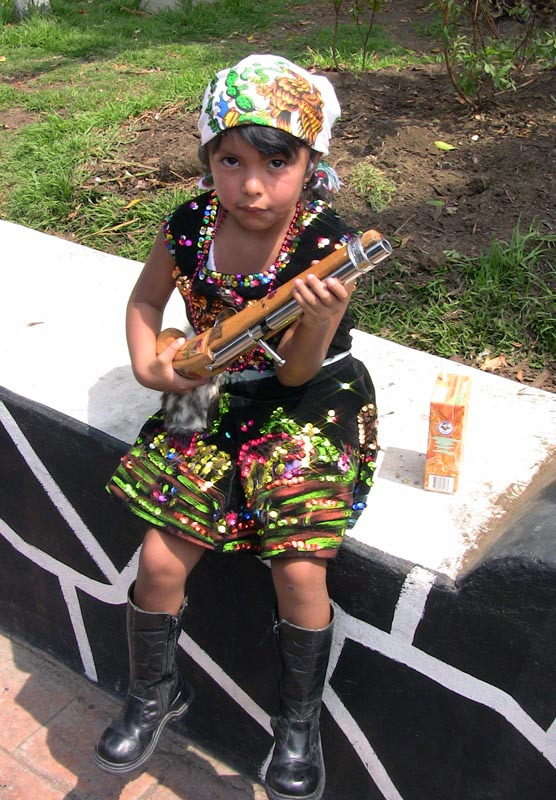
(441, 680)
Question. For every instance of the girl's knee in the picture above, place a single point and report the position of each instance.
(302, 592)
(300, 570)
(164, 567)
(158, 562)
(299, 576)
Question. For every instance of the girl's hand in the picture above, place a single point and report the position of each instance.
(160, 374)
(305, 343)
(320, 300)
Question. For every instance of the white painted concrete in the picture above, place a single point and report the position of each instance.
(63, 345)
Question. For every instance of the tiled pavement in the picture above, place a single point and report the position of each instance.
(50, 720)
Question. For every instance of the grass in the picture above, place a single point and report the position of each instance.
(372, 186)
(501, 302)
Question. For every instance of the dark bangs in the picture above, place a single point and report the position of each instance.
(268, 141)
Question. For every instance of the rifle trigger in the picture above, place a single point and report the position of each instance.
(268, 349)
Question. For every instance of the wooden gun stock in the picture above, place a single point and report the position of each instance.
(211, 351)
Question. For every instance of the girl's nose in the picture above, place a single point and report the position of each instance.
(252, 183)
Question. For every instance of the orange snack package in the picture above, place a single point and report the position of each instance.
(447, 422)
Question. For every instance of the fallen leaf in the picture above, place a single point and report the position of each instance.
(519, 375)
(75, 212)
(492, 364)
(540, 379)
(132, 203)
(444, 146)
(2, 58)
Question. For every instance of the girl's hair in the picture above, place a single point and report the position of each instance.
(269, 142)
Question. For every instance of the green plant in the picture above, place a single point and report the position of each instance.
(371, 185)
(363, 13)
(480, 60)
(512, 288)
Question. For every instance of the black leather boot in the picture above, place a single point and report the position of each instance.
(157, 693)
(296, 770)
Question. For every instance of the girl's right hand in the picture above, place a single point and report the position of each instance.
(160, 374)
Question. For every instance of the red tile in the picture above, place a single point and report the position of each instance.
(32, 691)
(19, 783)
(50, 721)
(63, 751)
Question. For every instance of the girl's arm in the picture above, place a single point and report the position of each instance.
(305, 344)
(145, 309)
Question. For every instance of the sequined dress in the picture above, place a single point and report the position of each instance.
(281, 471)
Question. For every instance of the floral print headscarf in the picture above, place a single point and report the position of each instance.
(272, 91)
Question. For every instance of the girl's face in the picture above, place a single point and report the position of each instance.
(259, 191)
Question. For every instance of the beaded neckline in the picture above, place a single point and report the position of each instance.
(213, 218)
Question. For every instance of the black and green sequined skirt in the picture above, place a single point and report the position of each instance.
(282, 471)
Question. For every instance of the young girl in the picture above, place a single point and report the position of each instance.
(287, 457)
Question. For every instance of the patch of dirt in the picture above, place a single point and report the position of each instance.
(501, 171)
(13, 118)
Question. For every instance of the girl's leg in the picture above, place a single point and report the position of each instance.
(304, 634)
(165, 564)
(300, 585)
(157, 692)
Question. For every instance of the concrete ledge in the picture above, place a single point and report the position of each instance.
(445, 647)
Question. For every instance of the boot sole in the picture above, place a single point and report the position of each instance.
(119, 769)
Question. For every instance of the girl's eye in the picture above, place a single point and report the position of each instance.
(278, 163)
(229, 161)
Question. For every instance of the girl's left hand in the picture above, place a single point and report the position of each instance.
(320, 300)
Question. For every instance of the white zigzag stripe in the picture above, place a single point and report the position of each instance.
(411, 603)
(57, 496)
(202, 658)
(361, 745)
(450, 677)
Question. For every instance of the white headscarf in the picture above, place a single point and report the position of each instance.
(272, 91)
